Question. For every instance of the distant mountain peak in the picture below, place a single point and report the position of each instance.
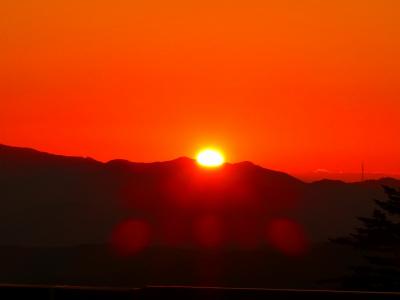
(51, 191)
(183, 160)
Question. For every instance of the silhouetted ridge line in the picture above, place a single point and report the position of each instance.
(46, 197)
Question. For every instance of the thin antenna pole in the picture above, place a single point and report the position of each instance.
(362, 171)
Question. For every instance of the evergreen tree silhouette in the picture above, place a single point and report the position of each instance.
(378, 240)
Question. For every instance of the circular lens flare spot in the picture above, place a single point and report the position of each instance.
(210, 158)
(209, 232)
(287, 236)
(131, 237)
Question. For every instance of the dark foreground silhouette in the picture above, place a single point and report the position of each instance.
(378, 242)
(179, 292)
(77, 221)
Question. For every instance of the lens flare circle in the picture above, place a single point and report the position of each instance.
(210, 158)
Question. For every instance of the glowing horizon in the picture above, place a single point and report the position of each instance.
(290, 85)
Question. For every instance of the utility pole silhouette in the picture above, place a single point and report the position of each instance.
(362, 171)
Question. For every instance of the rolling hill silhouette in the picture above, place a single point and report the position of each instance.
(53, 200)
(63, 219)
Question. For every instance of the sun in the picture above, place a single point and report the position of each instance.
(210, 158)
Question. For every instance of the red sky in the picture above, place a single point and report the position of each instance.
(294, 85)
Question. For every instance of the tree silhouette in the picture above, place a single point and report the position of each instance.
(378, 240)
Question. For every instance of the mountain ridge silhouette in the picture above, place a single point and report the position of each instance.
(55, 200)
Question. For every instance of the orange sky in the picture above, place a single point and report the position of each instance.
(294, 85)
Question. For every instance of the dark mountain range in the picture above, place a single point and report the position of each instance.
(52, 200)
(71, 220)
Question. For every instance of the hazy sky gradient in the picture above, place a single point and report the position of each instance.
(290, 84)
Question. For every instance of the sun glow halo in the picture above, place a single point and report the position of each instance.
(210, 158)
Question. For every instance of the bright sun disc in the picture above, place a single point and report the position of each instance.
(210, 158)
